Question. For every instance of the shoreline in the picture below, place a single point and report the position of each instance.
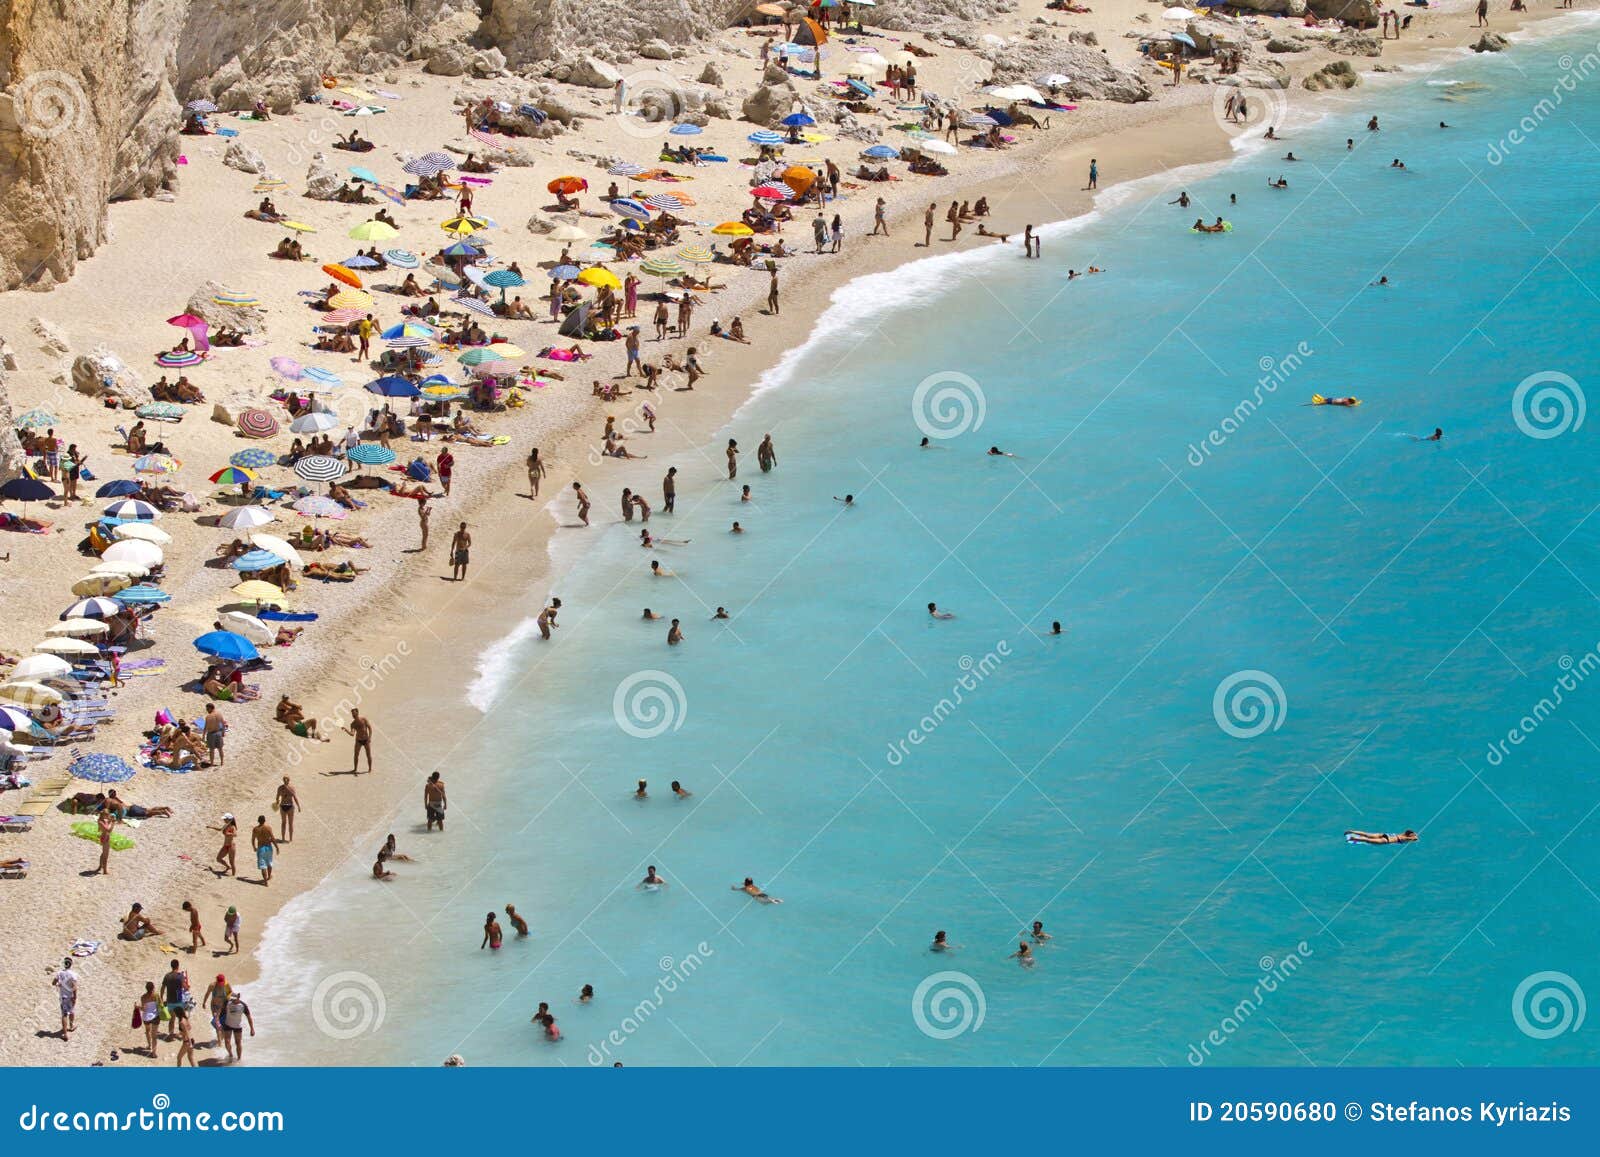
(412, 649)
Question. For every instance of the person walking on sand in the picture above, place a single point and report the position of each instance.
(460, 553)
(535, 472)
(772, 292)
(434, 801)
(583, 503)
(361, 728)
(927, 225)
(185, 1038)
(631, 345)
(266, 846)
(365, 328)
(445, 464)
(669, 490)
(1483, 13)
(235, 1015)
(197, 938)
(226, 855)
(424, 512)
(953, 216)
(232, 925)
(66, 985)
(287, 801)
(215, 727)
(879, 223)
(105, 822)
(1094, 174)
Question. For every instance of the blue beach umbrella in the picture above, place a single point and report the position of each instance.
(101, 767)
(361, 174)
(132, 510)
(144, 594)
(628, 207)
(25, 489)
(401, 258)
(564, 272)
(799, 120)
(766, 137)
(118, 488)
(461, 249)
(256, 560)
(253, 459)
(369, 455)
(685, 130)
(321, 376)
(359, 261)
(409, 329)
(881, 152)
(227, 645)
(393, 387)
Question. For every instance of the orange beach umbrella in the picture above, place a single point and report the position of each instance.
(340, 273)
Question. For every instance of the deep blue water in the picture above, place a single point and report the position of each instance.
(1400, 605)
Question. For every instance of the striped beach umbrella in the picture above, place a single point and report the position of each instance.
(462, 249)
(255, 423)
(463, 226)
(978, 120)
(36, 420)
(157, 464)
(234, 476)
(661, 267)
(253, 459)
(359, 261)
(766, 137)
(132, 510)
(368, 454)
(30, 694)
(270, 185)
(319, 468)
(161, 411)
(256, 560)
(473, 305)
(696, 255)
(625, 169)
(351, 298)
(401, 258)
(14, 718)
(343, 316)
(476, 356)
(322, 377)
(92, 608)
(665, 202)
(177, 359)
(403, 343)
(628, 207)
(200, 104)
(410, 329)
(233, 299)
(319, 506)
(564, 272)
(144, 595)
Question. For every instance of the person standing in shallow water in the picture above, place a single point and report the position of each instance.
(766, 454)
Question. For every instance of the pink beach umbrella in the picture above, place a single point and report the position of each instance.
(197, 328)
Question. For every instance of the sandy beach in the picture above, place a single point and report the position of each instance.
(401, 643)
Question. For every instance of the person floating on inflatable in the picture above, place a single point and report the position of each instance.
(1319, 400)
(1406, 837)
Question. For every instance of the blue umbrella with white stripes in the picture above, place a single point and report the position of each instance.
(628, 207)
(101, 767)
(401, 258)
(564, 272)
(256, 560)
(429, 164)
(144, 594)
(766, 137)
(132, 510)
(368, 454)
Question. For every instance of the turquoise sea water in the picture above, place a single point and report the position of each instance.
(1382, 611)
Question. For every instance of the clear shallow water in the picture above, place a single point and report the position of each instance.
(1413, 601)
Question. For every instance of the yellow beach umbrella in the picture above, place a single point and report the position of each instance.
(567, 233)
(351, 299)
(373, 231)
(463, 226)
(77, 628)
(261, 591)
(30, 694)
(599, 278)
(506, 350)
(695, 254)
(733, 229)
(100, 584)
(298, 226)
(270, 184)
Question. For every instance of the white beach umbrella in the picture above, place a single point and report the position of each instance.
(100, 584)
(567, 233)
(1178, 14)
(77, 628)
(1054, 79)
(134, 570)
(1016, 92)
(41, 667)
(315, 422)
(250, 627)
(143, 531)
(899, 56)
(860, 68)
(65, 646)
(936, 147)
(132, 550)
(30, 694)
(246, 518)
(875, 59)
(272, 544)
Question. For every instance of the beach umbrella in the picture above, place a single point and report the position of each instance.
(393, 387)
(298, 226)
(36, 420)
(936, 147)
(733, 229)
(249, 627)
(625, 169)
(695, 254)
(685, 130)
(799, 120)
(564, 272)
(340, 273)
(461, 249)
(429, 164)
(410, 329)
(269, 185)
(504, 279)
(319, 506)
(799, 178)
(373, 231)
(473, 305)
(600, 278)
(144, 595)
(665, 202)
(161, 411)
(390, 192)
(142, 531)
(13, 718)
(766, 137)
(314, 422)
(234, 476)
(286, 367)
(772, 192)
(132, 510)
(253, 459)
(41, 667)
(227, 645)
(25, 489)
(256, 424)
(279, 546)
(464, 226)
(978, 120)
(30, 694)
(124, 568)
(566, 186)
(661, 267)
(401, 258)
(351, 298)
(368, 454)
(507, 349)
(881, 152)
(197, 327)
(322, 377)
(134, 550)
(246, 517)
(359, 261)
(495, 369)
(233, 299)
(100, 584)
(118, 488)
(343, 316)
(403, 343)
(628, 207)
(72, 627)
(260, 591)
(200, 105)
(860, 69)
(474, 357)
(1053, 79)
(1178, 14)
(178, 359)
(1179, 37)
(101, 767)
(256, 560)
(64, 646)
(157, 464)
(319, 468)
(567, 233)
(92, 608)
(363, 174)
(1026, 92)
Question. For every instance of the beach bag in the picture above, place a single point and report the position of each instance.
(138, 1020)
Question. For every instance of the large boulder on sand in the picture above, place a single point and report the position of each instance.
(322, 183)
(592, 72)
(101, 373)
(244, 318)
(447, 59)
(1338, 74)
(242, 157)
(1354, 13)
(769, 102)
(1490, 42)
(1094, 77)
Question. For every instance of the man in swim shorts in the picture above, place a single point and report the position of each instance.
(266, 846)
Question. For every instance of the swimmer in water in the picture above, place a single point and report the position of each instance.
(517, 922)
(651, 879)
(1039, 934)
(1372, 125)
(1382, 281)
(640, 792)
(659, 571)
(1397, 163)
(750, 889)
(1289, 156)
(1023, 955)
(934, 611)
(722, 613)
(996, 452)
(1183, 200)
(1349, 143)
(848, 499)
(1406, 837)
(680, 791)
(586, 994)
(1280, 183)
(744, 495)
(736, 529)
(940, 944)
(1436, 436)
(1073, 275)
(650, 616)
(1233, 198)
(1443, 125)
(1055, 627)
(674, 634)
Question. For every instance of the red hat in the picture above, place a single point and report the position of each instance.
(221, 979)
